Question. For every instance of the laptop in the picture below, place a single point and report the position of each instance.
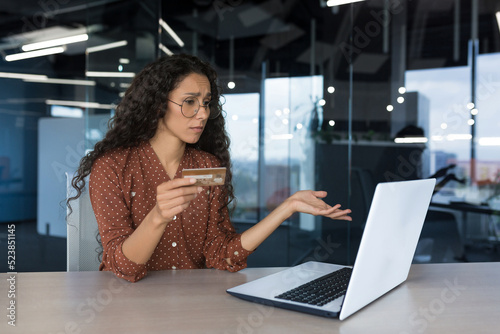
(385, 254)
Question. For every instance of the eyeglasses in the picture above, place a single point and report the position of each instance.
(191, 106)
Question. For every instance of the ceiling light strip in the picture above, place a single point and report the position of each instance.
(286, 136)
(332, 3)
(62, 81)
(489, 141)
(497, 14)
(22, 76)
(106, 46)
(81, 104)
(33, 54)
(459, 136)
(410, 140)
(110, 74)
(171, 32)
(55, 42)
(165, 49)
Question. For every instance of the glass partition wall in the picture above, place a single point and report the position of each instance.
(316, 96)
(123, 38)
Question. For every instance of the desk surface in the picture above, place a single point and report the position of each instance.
(467, 207)
(436, 298)
(455, 203)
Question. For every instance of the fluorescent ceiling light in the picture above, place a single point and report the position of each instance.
(64, 111)
(165, 49)
(106, 46)
(498, 19)
(459, 137)
(171, 32)
(410, 140)
(44, 79)
(81, 104)
(32, 54)
(55, 42)
(489, 141)
(22, 76)
(437, 138)
(452, 137)
(286, 136)
(110, 74)
(62, 81)
(331, 3)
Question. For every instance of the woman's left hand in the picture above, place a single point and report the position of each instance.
(309, 201)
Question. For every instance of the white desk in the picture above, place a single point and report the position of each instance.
(437, 298)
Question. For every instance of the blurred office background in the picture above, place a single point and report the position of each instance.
(318, 95)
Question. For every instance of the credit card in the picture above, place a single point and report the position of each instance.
(206, 176)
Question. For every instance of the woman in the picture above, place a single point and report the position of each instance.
(149, 217)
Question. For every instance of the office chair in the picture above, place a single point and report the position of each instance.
(82, 245)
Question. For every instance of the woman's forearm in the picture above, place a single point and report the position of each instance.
(254, 236)
(172, 198)
(306, 201)
(140, 245)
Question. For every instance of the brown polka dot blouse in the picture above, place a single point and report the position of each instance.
(123, 186)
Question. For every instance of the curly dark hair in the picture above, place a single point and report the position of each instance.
(144, 104)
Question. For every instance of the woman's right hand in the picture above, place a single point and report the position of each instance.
(173, 197)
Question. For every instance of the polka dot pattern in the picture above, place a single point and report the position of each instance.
(123, 186)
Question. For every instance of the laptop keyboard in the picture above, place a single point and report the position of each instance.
(321, 290)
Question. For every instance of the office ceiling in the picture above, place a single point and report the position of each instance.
(274, 31)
